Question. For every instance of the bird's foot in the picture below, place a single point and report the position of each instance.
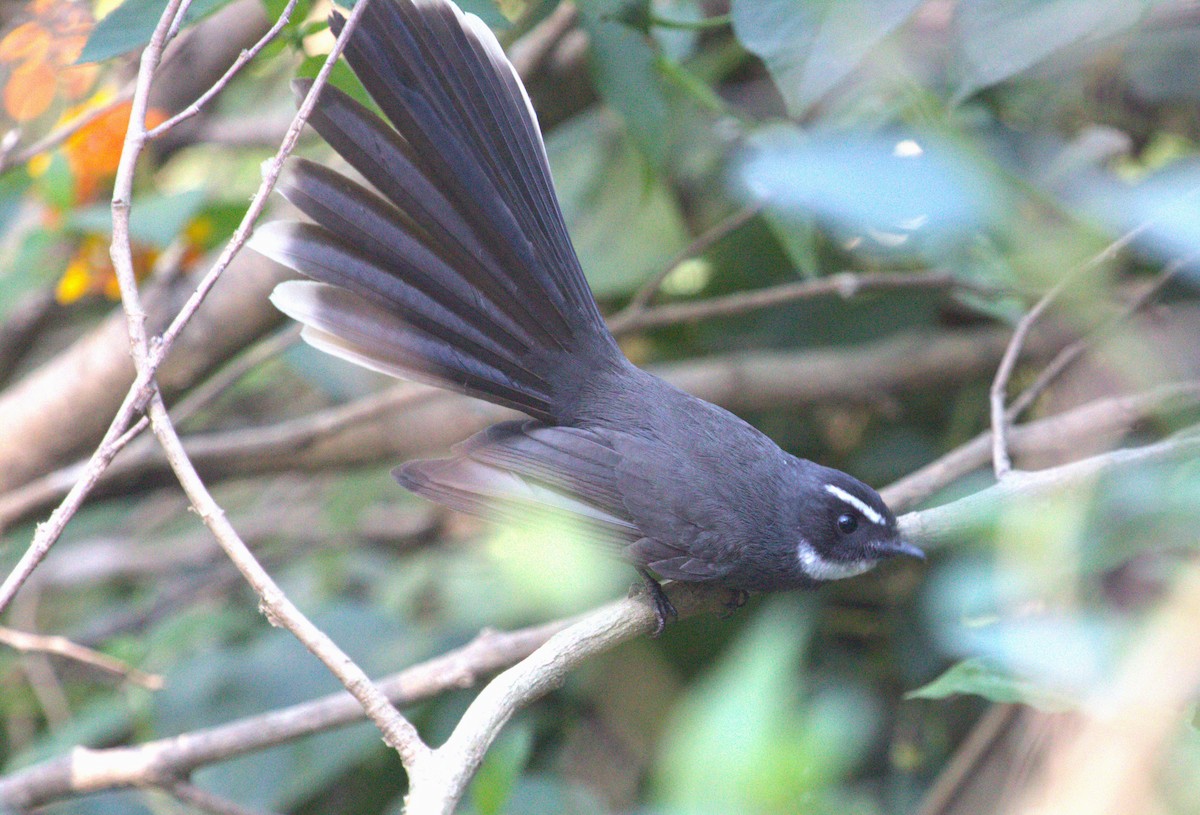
(737, 599)
(663, 609)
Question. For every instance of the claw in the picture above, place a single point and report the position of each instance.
(663, 610)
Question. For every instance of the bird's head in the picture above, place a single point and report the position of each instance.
(845, 528)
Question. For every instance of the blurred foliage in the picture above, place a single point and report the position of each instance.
(1005, 141)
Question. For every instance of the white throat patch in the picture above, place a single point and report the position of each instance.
(819, 568)
(869, 512)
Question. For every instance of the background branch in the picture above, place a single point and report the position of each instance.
(1059, 435)
(409, 420)
(85, 770)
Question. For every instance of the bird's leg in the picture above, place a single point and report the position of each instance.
(663, 610)
(737, 599)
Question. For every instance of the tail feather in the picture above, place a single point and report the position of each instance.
(461, 264)
(378, 153)
(310, 249)
(492, 94)
(344, 324)
(389, 63)
(375, 227)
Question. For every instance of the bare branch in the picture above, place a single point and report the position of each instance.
(918, 485)
(936, 526)
(641, 300)
(1069, 355)
(1001, 462)
(85, 770)
(10, 159)
(243, 59)
(142, 388)
(843, 284)
(439, 779)
(204, 800)
(61, 646)
(375, 428)
(48, 532)
(397, 731)
(136, 316)
(1062, 432)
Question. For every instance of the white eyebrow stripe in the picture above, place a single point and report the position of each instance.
(868, 511)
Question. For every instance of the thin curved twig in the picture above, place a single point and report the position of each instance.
(843, 284)
(997, 395)
(641, 299)
(243, 59)
(397, 731)
(141, 390)
(26, 642)
(9, 159)
(1065, 429)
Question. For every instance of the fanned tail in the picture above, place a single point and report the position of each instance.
(457, 268)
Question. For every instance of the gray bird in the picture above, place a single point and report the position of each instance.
(457, 270)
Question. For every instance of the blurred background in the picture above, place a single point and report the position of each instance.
(941, 164)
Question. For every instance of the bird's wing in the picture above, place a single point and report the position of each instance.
(520, 470)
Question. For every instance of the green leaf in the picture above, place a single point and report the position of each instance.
(1001, 38)
(809, 47)
(778, 753)
(624, 225)
(130, 25)
(12, 193)
(155, 220)
(975, 677)
(493, 784)
(625, 69)
(57, 183)
(341, 77)
(274, 9)
(485, 10)
(924, 198)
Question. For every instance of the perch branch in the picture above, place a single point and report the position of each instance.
(439, 778)
(85, 770)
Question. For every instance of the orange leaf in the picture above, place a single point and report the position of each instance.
(29, 91)
(77, 80)
(28, 41)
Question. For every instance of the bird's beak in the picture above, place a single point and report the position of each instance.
(899, 546)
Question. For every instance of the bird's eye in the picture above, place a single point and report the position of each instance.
(847, 523)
